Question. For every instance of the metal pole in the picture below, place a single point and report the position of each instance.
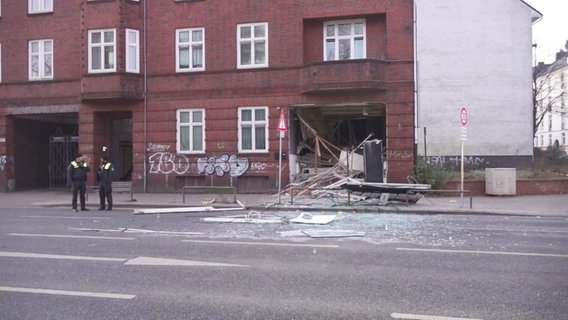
(461, 206)
(280, 165)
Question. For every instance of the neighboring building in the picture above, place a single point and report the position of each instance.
(188, 92)
(552, 103)
(477, 55)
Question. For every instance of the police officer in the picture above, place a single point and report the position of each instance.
(105, 175)
(76, 178)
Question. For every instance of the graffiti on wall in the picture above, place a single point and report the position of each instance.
(2, 163)
(470, 162)
(222, 165)
(167, 162)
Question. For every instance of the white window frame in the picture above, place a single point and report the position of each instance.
(132, 51)
(253, 124)
(191, 124)
(44, 56)
(254, 41)
(191, 45)
(102, 45)
(40, 6)
(351, 37)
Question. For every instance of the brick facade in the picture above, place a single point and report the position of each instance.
(297, 79)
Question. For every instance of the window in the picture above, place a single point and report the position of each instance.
(549, 122)
(344, 40)
(550, 140)
(132, 51)
(253, 129)
(252, 45)
(563, 138)
(191, 130)
(102, 50)
(39, 6)
(190, 49)
(542, 141)
(40, 59)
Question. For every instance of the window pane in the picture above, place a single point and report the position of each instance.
(358, 28)
(259, 134)
(259, 52)
(344, 29)
(245, 32)
(35, 47)
(197, 57)
(197, 35)
(246, 115)
(197, 138)
(96, 37)
(47, 66)
(109, 57)
(35, 66)
(197, 116)
(184, 117)
(184, 58)
(131, 37)
(184, 138)
(131, 58)
(109, 36)
(330, 49)
(344, 49)
(183, 36)
(359, 53)
(245, 53)
(96, 58)
(330, 30)
(246, 138)
(259, 31)
(259, 115)
(47, 46)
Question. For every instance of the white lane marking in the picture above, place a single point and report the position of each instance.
(67, 236)
(187, 233)
(70, 293)
(148, 261)
(55, 256)
(506, 253)
(516, 230)
(264, 243)
(425, 317)
(67, 217)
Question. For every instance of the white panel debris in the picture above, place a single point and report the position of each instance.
(305, 217)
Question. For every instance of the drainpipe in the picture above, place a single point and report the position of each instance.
(416, 75)
(145, 133)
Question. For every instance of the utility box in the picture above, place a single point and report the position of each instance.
(373, 161)
(501, 181)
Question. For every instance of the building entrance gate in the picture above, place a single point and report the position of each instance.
(62, 150)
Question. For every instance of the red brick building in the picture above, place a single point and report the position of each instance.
(190, 92)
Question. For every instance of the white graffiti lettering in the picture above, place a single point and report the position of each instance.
(260, 166)
(2, 163)
(470, 162)
(166, 162)
(158, 147)
(223, 164)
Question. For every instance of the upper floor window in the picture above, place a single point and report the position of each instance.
(39, 6)
(190, 49)
(40, 59)
(191, 130)
(344, 40)
(253, 129)
(132, 51)
(102, 44)
(252, 45)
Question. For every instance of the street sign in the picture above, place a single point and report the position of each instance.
(463, 116)
(282, 122)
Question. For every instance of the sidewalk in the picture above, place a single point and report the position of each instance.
(541, 205)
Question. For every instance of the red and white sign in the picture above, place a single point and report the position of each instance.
(463, 116)
(282, 122)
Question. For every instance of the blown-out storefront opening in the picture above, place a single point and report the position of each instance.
(319, 134)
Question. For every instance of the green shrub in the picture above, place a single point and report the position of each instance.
(434, 175)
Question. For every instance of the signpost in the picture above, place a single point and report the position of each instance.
(463, 120)
(281, 131)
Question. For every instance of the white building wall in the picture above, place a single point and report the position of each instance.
(477, 54)
(554, 126)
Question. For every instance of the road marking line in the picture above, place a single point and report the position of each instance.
(424, 317)
(264, 243)
(68, 217)
(55, 256)
(506, 253)
(67, 236)
(148, 261)
(516, 230)
(71, 293)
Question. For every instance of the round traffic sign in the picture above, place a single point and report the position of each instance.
(463, 116)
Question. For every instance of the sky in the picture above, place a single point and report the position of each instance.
(551, 32)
